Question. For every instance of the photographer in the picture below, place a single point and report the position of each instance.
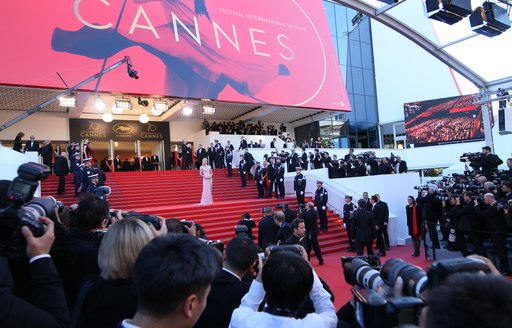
(48, 306)
(310, 217)
(488, 164)
(468, 225)
(495, 220)
(430, 209)
(284, 282)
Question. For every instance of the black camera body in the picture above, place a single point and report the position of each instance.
(471, 157)
(146, 218)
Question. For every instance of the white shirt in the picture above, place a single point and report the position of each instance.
(247, 314)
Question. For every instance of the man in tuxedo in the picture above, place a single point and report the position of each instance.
(211, 156)
(228, 288)
(400, 166)
(61, 170)
(289, 214)
(243, 143)
(248, 222)
(46, 153)
(117, 163)
(218, 154)
(271, 173)
(350, 155)
(185, 155)
(146, 163)
(385, 167)
(279, 176)
(310, 217)
(242, 167)
(299, 185)
(379, 213)
(259, 178)
(200, 154)
(155, 162)
(363, 229)
(348, 210)
(299, 233)
(273, 143)
(285, 229)
(32, 145)
(249, 159)
(386, 221)
(229, 161)
(293, 161)
(230, 146)
(267, 229)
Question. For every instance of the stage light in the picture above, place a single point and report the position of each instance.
(448, 11)
(143, 103)
(489, 19)
(99, 104)
(155, 111)
(123, 103)
(117, 110)
(107, 117)
(160, 105)
(187, 110)
(208, 110)
(144, 118)
(68, 101)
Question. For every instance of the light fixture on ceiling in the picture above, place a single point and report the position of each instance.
(448, 11)
(117, 110)
(159, 106)
(208, 110)
(107, 117)
(489, 19)
(187, 110)
(155, 111)
(143, 118)
(68, 101)
(123, 103)
(99, 104)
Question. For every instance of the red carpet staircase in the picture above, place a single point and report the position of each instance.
(175, 194)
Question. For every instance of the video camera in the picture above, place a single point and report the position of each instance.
(24, 210)
(471, 157)
(374, 302)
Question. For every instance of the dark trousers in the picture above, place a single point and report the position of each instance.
(416, 243)
(386, 236)
(261, 188)
(243, 178)
(280, 186)
(312, 242)
(322, 214)
(271, 187)
(76, 180)
(62, 184)
(500, 246)
(432, 232)
(360, 248)
(445, 230)
(380, 241)
(348, 226)
(230, 169)
(300, 197)
(475, 239)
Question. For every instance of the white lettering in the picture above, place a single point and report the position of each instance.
(175, 20)
(254, 42)
(216, 30)
(292, 54)
(135, 24)
(86, 23)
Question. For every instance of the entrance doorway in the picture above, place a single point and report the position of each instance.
(149, 148)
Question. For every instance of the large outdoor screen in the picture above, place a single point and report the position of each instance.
(277, 52)
(444, 120)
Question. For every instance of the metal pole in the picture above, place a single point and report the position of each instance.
(62, 94)
(486, 119)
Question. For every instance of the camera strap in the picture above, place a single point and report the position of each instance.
(279, 312)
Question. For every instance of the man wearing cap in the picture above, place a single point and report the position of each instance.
(93, 183)
(299, 185)
(259, 178)
(242, 166)
(84, 175)
(321, 198)
(348, 210)
(279, 177)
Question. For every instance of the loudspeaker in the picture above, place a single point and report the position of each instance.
(505, 121)
(448, 11)
(489, 19)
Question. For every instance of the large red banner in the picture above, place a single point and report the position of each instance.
(277, 52)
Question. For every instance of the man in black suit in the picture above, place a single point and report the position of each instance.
(146, 163)
(249, 223)
(249, 159)
(321, 198)
(48, 306)
(200, 154)
(386, 221)
(273, 143)
(271, 174)
(243, 143)
(379, 213)
(117, 164)
(279, 176)
(218, 154)
(229, 161)
(468, 225)
(242, 168)
(363, 229)
(350, 156)
(400, 166)
(299, 185)
(299, 233)
(431, 211)
(267, 229)
(32, 145)
(489, 164)
(348, 210)
(46, 153)
(285, 229)
(155, 162)
(385, 167)
(509, 166)
(289, 214)
(310, 217)
(228, 288)
(61, 170)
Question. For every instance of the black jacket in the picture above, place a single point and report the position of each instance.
(310, 220)
(468, 220)
(267, 232)
(290, 215)
(29, 146)
(379, 214)
(430, 207)
(402, 168)
(249, 224)
(61, 166)
(408, 211)
(17, 144)
(495, 219)
(299, 182)
(225, 296)
(48, 306)
(285, 231)
(294, 240)
(46, 152)
(243, 144)
(363, 226)
(321, 197)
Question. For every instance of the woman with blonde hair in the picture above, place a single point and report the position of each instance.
(206, 172)
(107, 301)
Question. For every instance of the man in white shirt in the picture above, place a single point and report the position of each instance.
(286, 279)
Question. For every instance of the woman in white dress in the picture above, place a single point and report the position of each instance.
(206, 172)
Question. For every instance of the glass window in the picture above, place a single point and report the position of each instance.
(355, 53)
(366, 55)
(369, 82)
(343, 50)
(362, 136)
(342, 24)
(373, 137)
(357, 80)
(364, 30)
(372, 114)
(331, 18)
(351, 116)
(343, 69)
(360, 108)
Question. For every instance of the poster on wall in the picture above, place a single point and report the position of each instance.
(277, 52)
(442, 121)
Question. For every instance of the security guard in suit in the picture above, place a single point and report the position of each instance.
(242, 166)
(321, 198)
(259, 178)
(280, 169)
(299, 185)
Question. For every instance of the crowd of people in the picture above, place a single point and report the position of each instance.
(242, 128)
(445, 129)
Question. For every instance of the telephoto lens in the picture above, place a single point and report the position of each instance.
(359, 272)
(414, 278)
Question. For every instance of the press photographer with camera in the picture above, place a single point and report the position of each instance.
(430, 209)
(468, 225)
(48, 306)
(284, 281)
(488, 163)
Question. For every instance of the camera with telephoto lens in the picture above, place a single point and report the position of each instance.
(241, 230)
(374, 302)
(218, 244)
(471, 157)
(274, 249)
(102, 192)
(146, 218)
(24, 210)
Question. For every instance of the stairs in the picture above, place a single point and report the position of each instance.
(176, 194)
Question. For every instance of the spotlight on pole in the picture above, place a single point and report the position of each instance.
(99, 104)
(448, 11)
(489, 19)
(68, 101)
